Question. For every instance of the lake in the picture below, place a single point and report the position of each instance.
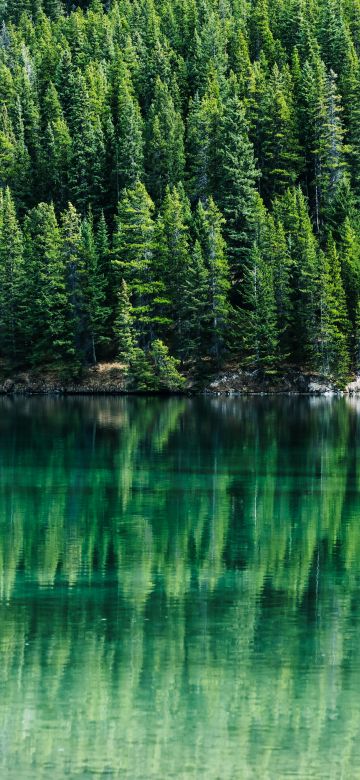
(179, 588)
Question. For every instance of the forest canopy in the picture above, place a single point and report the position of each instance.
(180, 185)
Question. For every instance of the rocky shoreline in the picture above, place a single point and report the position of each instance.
(110, 379)
(105, 378)
(242, 382)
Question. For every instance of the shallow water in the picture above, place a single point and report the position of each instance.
(179, 588)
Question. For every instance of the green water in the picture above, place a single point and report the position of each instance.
(179, 588)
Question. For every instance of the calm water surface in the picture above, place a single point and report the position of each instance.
(179, 588)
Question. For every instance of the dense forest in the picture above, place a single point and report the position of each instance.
(180, 186)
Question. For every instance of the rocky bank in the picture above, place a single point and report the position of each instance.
(110, 378)
(104, 378)
(240, 382)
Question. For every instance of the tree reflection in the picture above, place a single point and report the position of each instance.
(179, 587)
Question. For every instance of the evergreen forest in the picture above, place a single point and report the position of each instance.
(180, 186)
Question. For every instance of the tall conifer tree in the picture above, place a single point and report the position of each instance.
(134, 257)
(11, 282)
(209, 223)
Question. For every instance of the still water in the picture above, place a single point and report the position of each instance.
(179, 588)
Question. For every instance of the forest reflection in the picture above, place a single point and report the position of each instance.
(179, 587)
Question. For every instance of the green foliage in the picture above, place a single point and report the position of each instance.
(166, 372)
(162, 124)
(155, 370)
(46, 319)
(123, 326)
(204, 142)
(209, 222)
(259, 335)
(11, 280)
(134, 249)
(129, 143)
(174, 258)
(141, 373)
(165, 143)
(334, 324)
(74, 270)
(237, 193)
(95, 310)
(302, 247)
(324, 136)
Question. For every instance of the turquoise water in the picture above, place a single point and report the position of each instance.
(179, 588)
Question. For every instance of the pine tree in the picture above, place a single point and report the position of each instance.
(133, 257)
(53, 8)
(174, 257)
(333, 149)
(165, 143)
(350, 262)
(87, 149)
(17, 8)
(211, 49)
(47, 334)
(292, 211)
(238, 180)
(279, 255)
(260, 335)
(209, 222)
(7, 148)
(204, 143)
(324, 136)
(123, 325)
(356, 339)
(256, 106)
(261, 37)
(153, 60)
(239, 54)
(73, 260)
(334, 324)
(104, 262)
(281, 148)
(352, 119)
(167, 376)
(11, 282)
(334, 37)
(95, 310)
(194, 306)
(30, 117)
(56, 150)
(65, 74)
(129, 163)
(21, 172)
(141, 372)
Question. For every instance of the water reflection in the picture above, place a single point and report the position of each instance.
(179, 587)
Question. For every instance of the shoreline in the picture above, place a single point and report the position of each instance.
(109, 379)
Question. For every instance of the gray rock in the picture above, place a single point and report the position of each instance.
(8, 386)
(353, 388)
(320, 388)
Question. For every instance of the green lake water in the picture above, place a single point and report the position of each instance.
(179, 588)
